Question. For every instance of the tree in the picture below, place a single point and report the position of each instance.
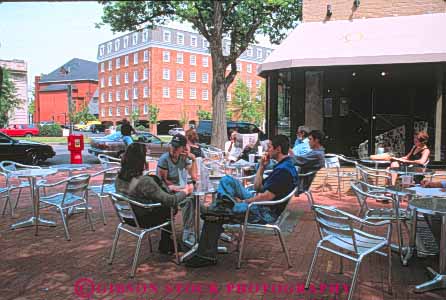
(251, 110)
(8, 97)
(184, 119)
(153, 114)
(237, 21)
(203, 114)
(82, 116)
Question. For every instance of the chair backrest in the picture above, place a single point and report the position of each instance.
(108, 161)
(284, 201)
(9, 165)
(332, 161)
(368, 174)
(77, 186)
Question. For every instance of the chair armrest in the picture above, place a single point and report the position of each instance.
(61, 181)
(349, 160)
(103, 171)
(134, 202)
(272, 203)
(307, 174)
(364, 222)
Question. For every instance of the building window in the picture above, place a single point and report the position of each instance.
(205, 61)
(101, 50)
(205, 44)
(102, 68)
(126, 61)
(117, 44)
(146, 92)
(180, 76)
(103, 112)
(180, 39)
(205, 78)
(110, 111)
(239, 66)
(205, 94)
(118, 96)
(145, 35)
(228, 97)
(126, 42)
(102, 97)
(258, 83)
(102, 82)
(166, 74)
(135, 76)
(145, 75)
(118, 63)
(193, 41)
(249, 83)
(118, 79)
(126, 77)
(180, 93)
(126, 94)
(126, 111)
(135, 108)
(259, 53)
(268, 52)
(166, 56)
(226, 48)
(146, 109)
(135, 38)
(110, 81)
(193, 77)
(135, 58)
(110, 96)
(166, 92)
(146, 55)
(110, 65)
(249, 68)
(193, 60)
(179, 58)
(249, 51)
(193, 93)
(135, 93)
(166, 36)
(118, 111)
(109, 47)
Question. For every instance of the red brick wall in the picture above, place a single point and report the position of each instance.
(315, 10)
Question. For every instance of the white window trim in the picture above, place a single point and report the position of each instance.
(164, 36)
(182, 75)
(118, 63)
(135, 58)
(180, 38)
(135, 78)
(203, 76)
(126, 42)
(166, 95)
(146, 55)
(203, 93)
(166, 74)
(118, 96)
(145, 35)
(194, 38)
(194, 61)
(180, 54)
(166, 56)
(135, 39)
(117, 44)
(180, 95)
(193, 97)
(195, 77)
(205, 61)
(259, 51)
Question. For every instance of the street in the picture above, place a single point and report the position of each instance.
(63, 156)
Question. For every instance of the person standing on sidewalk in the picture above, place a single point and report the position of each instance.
(126, 131)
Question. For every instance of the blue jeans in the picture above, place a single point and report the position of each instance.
(127, 140)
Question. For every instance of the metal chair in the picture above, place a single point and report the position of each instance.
(108, 186)
(332, 161)
(75, 195)
(130, 223)
(372, 175)
(304, 184)
(5, 192)
(274, 226)
(339, 236)
(108, 161)
(6, 167)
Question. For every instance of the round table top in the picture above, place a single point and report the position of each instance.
(371, 161)
(33, 172)
(411, 171)
(70, 167)
(399, 191)
(429, 205)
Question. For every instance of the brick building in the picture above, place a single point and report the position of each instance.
(18, 71)
(166, 67)
(51, 91)
(362, 71)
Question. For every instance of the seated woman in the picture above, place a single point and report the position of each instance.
(149, 189)
(192, 142)
(418, 155)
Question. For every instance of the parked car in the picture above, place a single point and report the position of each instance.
(21, 130)
(175, 131)
(24, 151)
(85, 126)
(113, 145)
(204, 130)
(97, 128)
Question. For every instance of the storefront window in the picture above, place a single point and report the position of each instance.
(283, 103)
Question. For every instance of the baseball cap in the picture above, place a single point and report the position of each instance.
(178, 140)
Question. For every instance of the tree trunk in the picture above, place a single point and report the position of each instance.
(219, 89)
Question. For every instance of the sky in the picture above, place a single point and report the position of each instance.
(47, 35)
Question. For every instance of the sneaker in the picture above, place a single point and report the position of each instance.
(200, 262)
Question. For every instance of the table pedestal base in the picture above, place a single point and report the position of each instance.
(438, 282)
(32, 222)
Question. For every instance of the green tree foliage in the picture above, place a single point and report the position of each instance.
(82, 116)
(235, 20)
(50, 130)
(204, 114)
(8, 97)
(153, 114)
(251, 109)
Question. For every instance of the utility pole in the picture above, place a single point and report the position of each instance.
(66, 71)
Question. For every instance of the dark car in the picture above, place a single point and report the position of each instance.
(24, 151)
(204, 130)
(97, 128)
(113, 145)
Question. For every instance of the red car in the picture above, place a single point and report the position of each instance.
(21, 130)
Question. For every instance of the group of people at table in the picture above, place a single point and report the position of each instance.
(165, 187)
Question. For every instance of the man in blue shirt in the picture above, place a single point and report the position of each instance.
(302, 145)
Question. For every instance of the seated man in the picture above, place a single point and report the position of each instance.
(277, 185)
(302, 144)
(170, 165)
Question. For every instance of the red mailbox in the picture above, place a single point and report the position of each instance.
(75, 146)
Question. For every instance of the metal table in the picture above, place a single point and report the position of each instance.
(433, 206)
(32, 175)
(377, 163)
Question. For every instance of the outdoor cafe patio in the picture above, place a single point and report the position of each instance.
(47, 266)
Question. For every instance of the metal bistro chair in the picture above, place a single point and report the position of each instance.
(108, 161)
(130, 223)
(6, 167)
(372, 175)
(105, 188)
(304, 185)
(274, 226)
(75, 194)
(340, 237)
(5, 192)
(332, 161)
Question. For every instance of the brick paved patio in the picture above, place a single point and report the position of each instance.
(47, 266)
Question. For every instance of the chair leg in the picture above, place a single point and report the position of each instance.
(102, 210)
(313, 263)
(8, 201)
(149, 237)
(341, 265)
(65, 225)
(115, 244)
(242, 245)
(87, 213)
(135, 258)
(355, 278)
(389, 275)
(174, 236)
(282, 241)
(339, 185)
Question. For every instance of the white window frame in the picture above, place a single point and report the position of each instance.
(135, 38)
(228, 97)
(118, 111)
(167, 36)
(126, 42)
(180, 38)
(135, 76)
(102, 82)
(166, 56)
(103, 112)
(193, 60)
(193, 41)
(101, 50)
(126, 111)
(110, 65)
(180, 75)
(118, 79)
(166, 74)
(117, 44)
(205, 61)
(145, 92)
(126, 77)
(102, 97)
(180, 57)
(135, 58)
(110, 97)
(135, 93)
(110, 81)
(249, 51)
(145, 75)
(166, 92)
(205, 43)
(146, 109)
(249, 83)
(146, 55)
(239, 66)
(259, 53)
(180, 93)
(110, 111)
(102, 67)
(126, 61)
(258, 83)
(109, 47)
(205, 94)
(118, 95)
(193, 77)
(249, 68)
(193, 93)
(118, 63)
(126, 94)
(145, 35)
(205, 78)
